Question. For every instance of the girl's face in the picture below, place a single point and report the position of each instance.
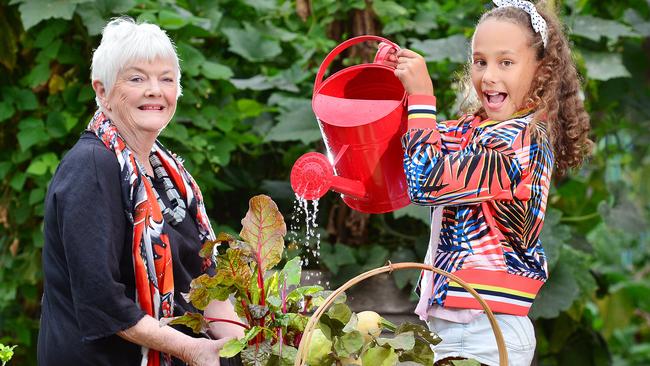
(503, 67)
(144, 95)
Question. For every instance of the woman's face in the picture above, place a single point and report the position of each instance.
(503, 67)
(143, 98)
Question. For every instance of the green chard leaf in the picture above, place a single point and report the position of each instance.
(194, 321)
(403, 341)
(348, 343)
(233, 268)
(379, 356)
(205, 288)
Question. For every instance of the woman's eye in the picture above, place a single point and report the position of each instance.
(168, 80)
(506, 63)
(136, 79)
(479, 62)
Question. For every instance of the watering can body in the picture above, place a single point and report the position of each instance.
(362, 115)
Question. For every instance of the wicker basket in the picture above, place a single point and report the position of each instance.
(303, 348)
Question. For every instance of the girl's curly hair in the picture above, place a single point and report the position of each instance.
(555, 90)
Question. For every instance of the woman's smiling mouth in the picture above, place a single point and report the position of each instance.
(151, 107)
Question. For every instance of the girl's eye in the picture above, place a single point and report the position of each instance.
(479, 62)
(506, 63)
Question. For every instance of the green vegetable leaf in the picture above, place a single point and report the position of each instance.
(348, 343)
(285, 355)
(232, 348)
(233, 269)
(465, 363)
(194, 321)
(258, 311)
(257, 355)
(402, 341)
(352, 324)
(419, 331)
(205, 288)
(379, 356)
(291, 272)
(208, 250)
(421, 353)
(330, 327)
(263, 230)
(235, 346)
(299, 293)
(340, 312)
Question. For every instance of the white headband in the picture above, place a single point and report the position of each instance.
(539, 24)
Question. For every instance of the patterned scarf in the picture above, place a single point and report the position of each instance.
(152, 256)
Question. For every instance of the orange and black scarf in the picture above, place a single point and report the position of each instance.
(152, 256)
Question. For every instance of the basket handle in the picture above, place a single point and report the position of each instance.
(303, 348)
(343, 46)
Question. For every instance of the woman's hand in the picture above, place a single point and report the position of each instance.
(411, 69)
(204, 352)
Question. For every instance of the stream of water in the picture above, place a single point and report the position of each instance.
(303, 230)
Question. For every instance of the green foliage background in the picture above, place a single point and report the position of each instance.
(248, 67)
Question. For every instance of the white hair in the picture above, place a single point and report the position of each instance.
(124, 42)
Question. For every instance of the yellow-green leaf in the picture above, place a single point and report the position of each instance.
(263, 230)
(194, 321)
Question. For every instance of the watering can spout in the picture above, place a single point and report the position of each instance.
(312, 176)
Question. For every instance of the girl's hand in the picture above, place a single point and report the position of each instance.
(205, 352)
(411, 69)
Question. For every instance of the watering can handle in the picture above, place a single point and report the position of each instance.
(381, 54)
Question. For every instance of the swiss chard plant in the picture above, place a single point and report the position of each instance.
(274, 308)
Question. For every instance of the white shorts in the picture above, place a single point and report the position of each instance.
(476, 339)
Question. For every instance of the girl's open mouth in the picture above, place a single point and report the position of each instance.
(494, 100)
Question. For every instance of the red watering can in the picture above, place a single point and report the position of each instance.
(361, 113)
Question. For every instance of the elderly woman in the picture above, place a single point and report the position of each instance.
(124, 222)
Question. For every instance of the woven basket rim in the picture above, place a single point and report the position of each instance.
(303, 347)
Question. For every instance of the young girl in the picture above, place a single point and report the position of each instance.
(487, 177)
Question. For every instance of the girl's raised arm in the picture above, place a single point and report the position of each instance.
(485, 169)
